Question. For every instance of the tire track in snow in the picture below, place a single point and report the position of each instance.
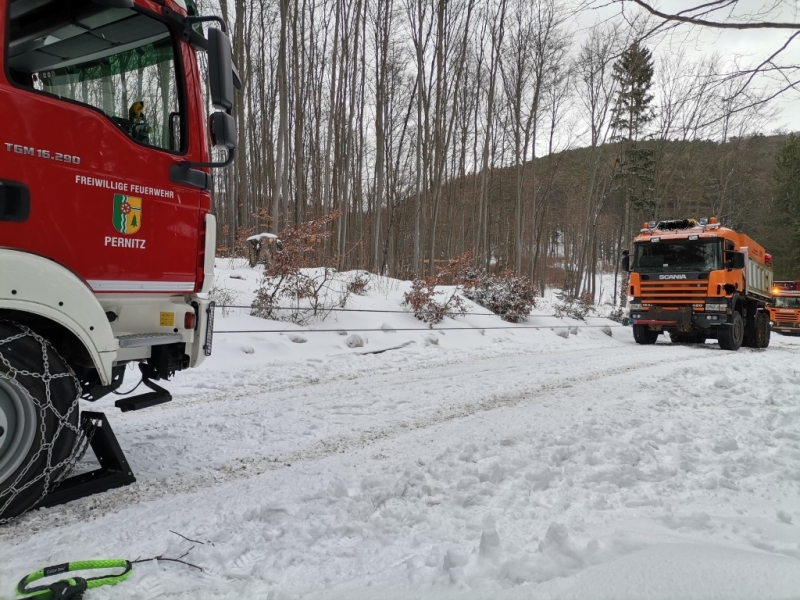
(250, 467)
(156, 418)
(247, 391)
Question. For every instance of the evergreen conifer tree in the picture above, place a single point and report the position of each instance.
(633, 74)
(632, 111)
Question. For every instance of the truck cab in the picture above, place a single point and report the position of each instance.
(697, 280)
(107, 239)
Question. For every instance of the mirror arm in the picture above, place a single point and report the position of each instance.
(199, 19)
(209, 165)
(237, 81)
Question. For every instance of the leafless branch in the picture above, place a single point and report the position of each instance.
(683, 18)
(177, 560)
(186, 538)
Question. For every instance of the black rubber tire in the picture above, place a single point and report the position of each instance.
(643, 335)
(26, 353)
(763, 330)
(731, 335)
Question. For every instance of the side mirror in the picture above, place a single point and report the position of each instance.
(626, 260)
(221, 78)
(222, 128)
(736, 260)
(220, 70)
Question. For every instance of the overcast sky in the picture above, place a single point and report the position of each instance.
(752, 45)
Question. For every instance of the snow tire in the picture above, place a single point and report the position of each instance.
(39, 406)
(731, 335)
(762, 330)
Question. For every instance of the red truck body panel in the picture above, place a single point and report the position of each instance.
(73, 206)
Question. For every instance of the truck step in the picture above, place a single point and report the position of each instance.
(158, 396)
(140, 340)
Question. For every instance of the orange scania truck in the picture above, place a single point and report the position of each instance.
(697, 280)
(784, 310)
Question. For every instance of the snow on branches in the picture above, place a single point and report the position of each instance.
(431, 305)
(506, 295)
(289, 276)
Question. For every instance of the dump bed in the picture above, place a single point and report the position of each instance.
(758, 276)
(758, 279)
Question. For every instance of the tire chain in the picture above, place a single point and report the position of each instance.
(82, 440)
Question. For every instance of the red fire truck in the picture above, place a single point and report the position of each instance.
(106, 239)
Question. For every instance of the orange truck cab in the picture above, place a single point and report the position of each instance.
(697, 280)
(784, 311)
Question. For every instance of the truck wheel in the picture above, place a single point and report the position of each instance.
(731, 336)
(38, 418)
(643, 335)
(762, 330)
(751, 334)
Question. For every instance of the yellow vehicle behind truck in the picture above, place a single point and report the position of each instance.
(697, 280)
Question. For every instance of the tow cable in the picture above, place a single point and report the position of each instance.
(73, 588)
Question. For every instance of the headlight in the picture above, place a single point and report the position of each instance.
(636, 306)
(716, 307)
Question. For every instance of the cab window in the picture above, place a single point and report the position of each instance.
(118, 61)
(664, 257)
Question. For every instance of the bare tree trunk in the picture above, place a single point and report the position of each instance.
(281, 184)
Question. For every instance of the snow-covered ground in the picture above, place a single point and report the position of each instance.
(482, 463)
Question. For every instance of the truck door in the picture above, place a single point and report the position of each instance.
(93, 105)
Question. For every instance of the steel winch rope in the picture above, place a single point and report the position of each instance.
(478, 329)
(372, 310)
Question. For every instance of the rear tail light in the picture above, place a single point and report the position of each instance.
(188, 320)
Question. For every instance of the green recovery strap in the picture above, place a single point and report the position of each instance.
(74, 586)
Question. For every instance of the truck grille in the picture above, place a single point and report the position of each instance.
(785, 318)
(674, 292)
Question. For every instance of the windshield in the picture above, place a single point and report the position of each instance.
(688, 256)
(786, 302)
(116, 60)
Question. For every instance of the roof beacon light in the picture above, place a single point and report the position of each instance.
(713, 220)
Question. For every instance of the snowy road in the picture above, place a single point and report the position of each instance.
(581, 468)
(602, 470)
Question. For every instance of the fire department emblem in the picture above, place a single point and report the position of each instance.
(127, 214)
